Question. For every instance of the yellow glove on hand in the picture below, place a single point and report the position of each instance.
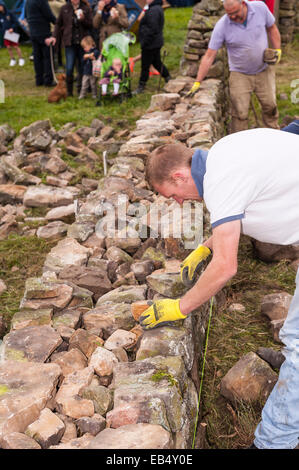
(160, 313)
(278, 55)
(194, 88)
(193, 263)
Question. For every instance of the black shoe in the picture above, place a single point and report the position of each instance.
(167, 79)
(50, 84)
(139, 89)
(274, 358)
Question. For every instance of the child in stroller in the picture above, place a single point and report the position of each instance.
(114, 73)
(115, 77)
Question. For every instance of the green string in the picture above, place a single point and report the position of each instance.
(203, 368)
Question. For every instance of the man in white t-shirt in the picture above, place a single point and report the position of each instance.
(250, 184)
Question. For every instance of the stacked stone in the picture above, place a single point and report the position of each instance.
(92, 377)
(205, 15)
(296, 28)
(288, 18)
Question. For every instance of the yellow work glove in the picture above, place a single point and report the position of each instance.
(160, 313)
(278, 55)
(194, 88)
(193, 263)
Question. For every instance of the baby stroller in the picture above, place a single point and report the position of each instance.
(117, 46)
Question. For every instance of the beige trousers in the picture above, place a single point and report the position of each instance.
(241, 86)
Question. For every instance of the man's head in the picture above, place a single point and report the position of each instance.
(168, 171)
(236, 10)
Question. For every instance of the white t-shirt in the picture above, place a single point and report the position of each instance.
(254, 176)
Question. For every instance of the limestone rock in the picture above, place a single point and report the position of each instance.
(92, 279)
(107, 318)
(79, 443)
(103, 361)
(269, 252)
(167, 341)
(126, 294)
(69, 317)
(63, 213)
(68, 398)
(17, 440)
(167, 283)
(25, 318)
(250, 379)
(91, 425)
(3, 287)
(33, 343)
(41, 295)
(101, 396)
(164, 101)
(12, 193)
(276, 326)
(276, 306)
(53, 231)
(85, 341)
(45, 196)
(69, 361)
(133, 436)
(47, 430)
(80, 231)
(25, 391)
(68, 252)
(142, 269)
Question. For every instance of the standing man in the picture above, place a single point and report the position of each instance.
(244, 30)
(39, 17)
(151, 41)
(249, 182)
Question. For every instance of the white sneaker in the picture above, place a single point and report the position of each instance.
(12, 62)
(21, 62)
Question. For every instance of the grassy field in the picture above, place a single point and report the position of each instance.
(26, 103)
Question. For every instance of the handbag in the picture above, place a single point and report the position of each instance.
(96, 67)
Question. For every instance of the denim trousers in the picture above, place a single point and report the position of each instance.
(279, 427)
(73, 53)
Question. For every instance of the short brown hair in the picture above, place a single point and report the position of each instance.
(162, 162)
(88, 41)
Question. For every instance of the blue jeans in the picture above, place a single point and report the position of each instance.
(279, 427)
(71, 54)
(293, 127)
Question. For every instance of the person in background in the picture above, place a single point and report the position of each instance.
(39, 17)
(244, 29)
(270, 4)
(88, 80)
(114, 73)
(151, 41)
(55, 6)
(110, 18)
(73, 23)
(8, 22)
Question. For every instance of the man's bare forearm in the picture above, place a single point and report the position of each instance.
(205, 64)
(274, 36)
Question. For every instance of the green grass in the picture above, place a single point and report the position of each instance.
(20, 258)
(232, 335)
(25, 103)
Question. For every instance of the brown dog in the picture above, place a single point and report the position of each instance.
(59, 91)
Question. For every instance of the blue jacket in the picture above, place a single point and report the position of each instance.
(7, 19)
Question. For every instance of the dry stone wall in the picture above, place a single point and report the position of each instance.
(76, 369)
(288, 20)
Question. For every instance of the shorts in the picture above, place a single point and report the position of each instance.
(8, 43)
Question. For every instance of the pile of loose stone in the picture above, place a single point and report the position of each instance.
(33, 173)
(76, 369)
(288, 20)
